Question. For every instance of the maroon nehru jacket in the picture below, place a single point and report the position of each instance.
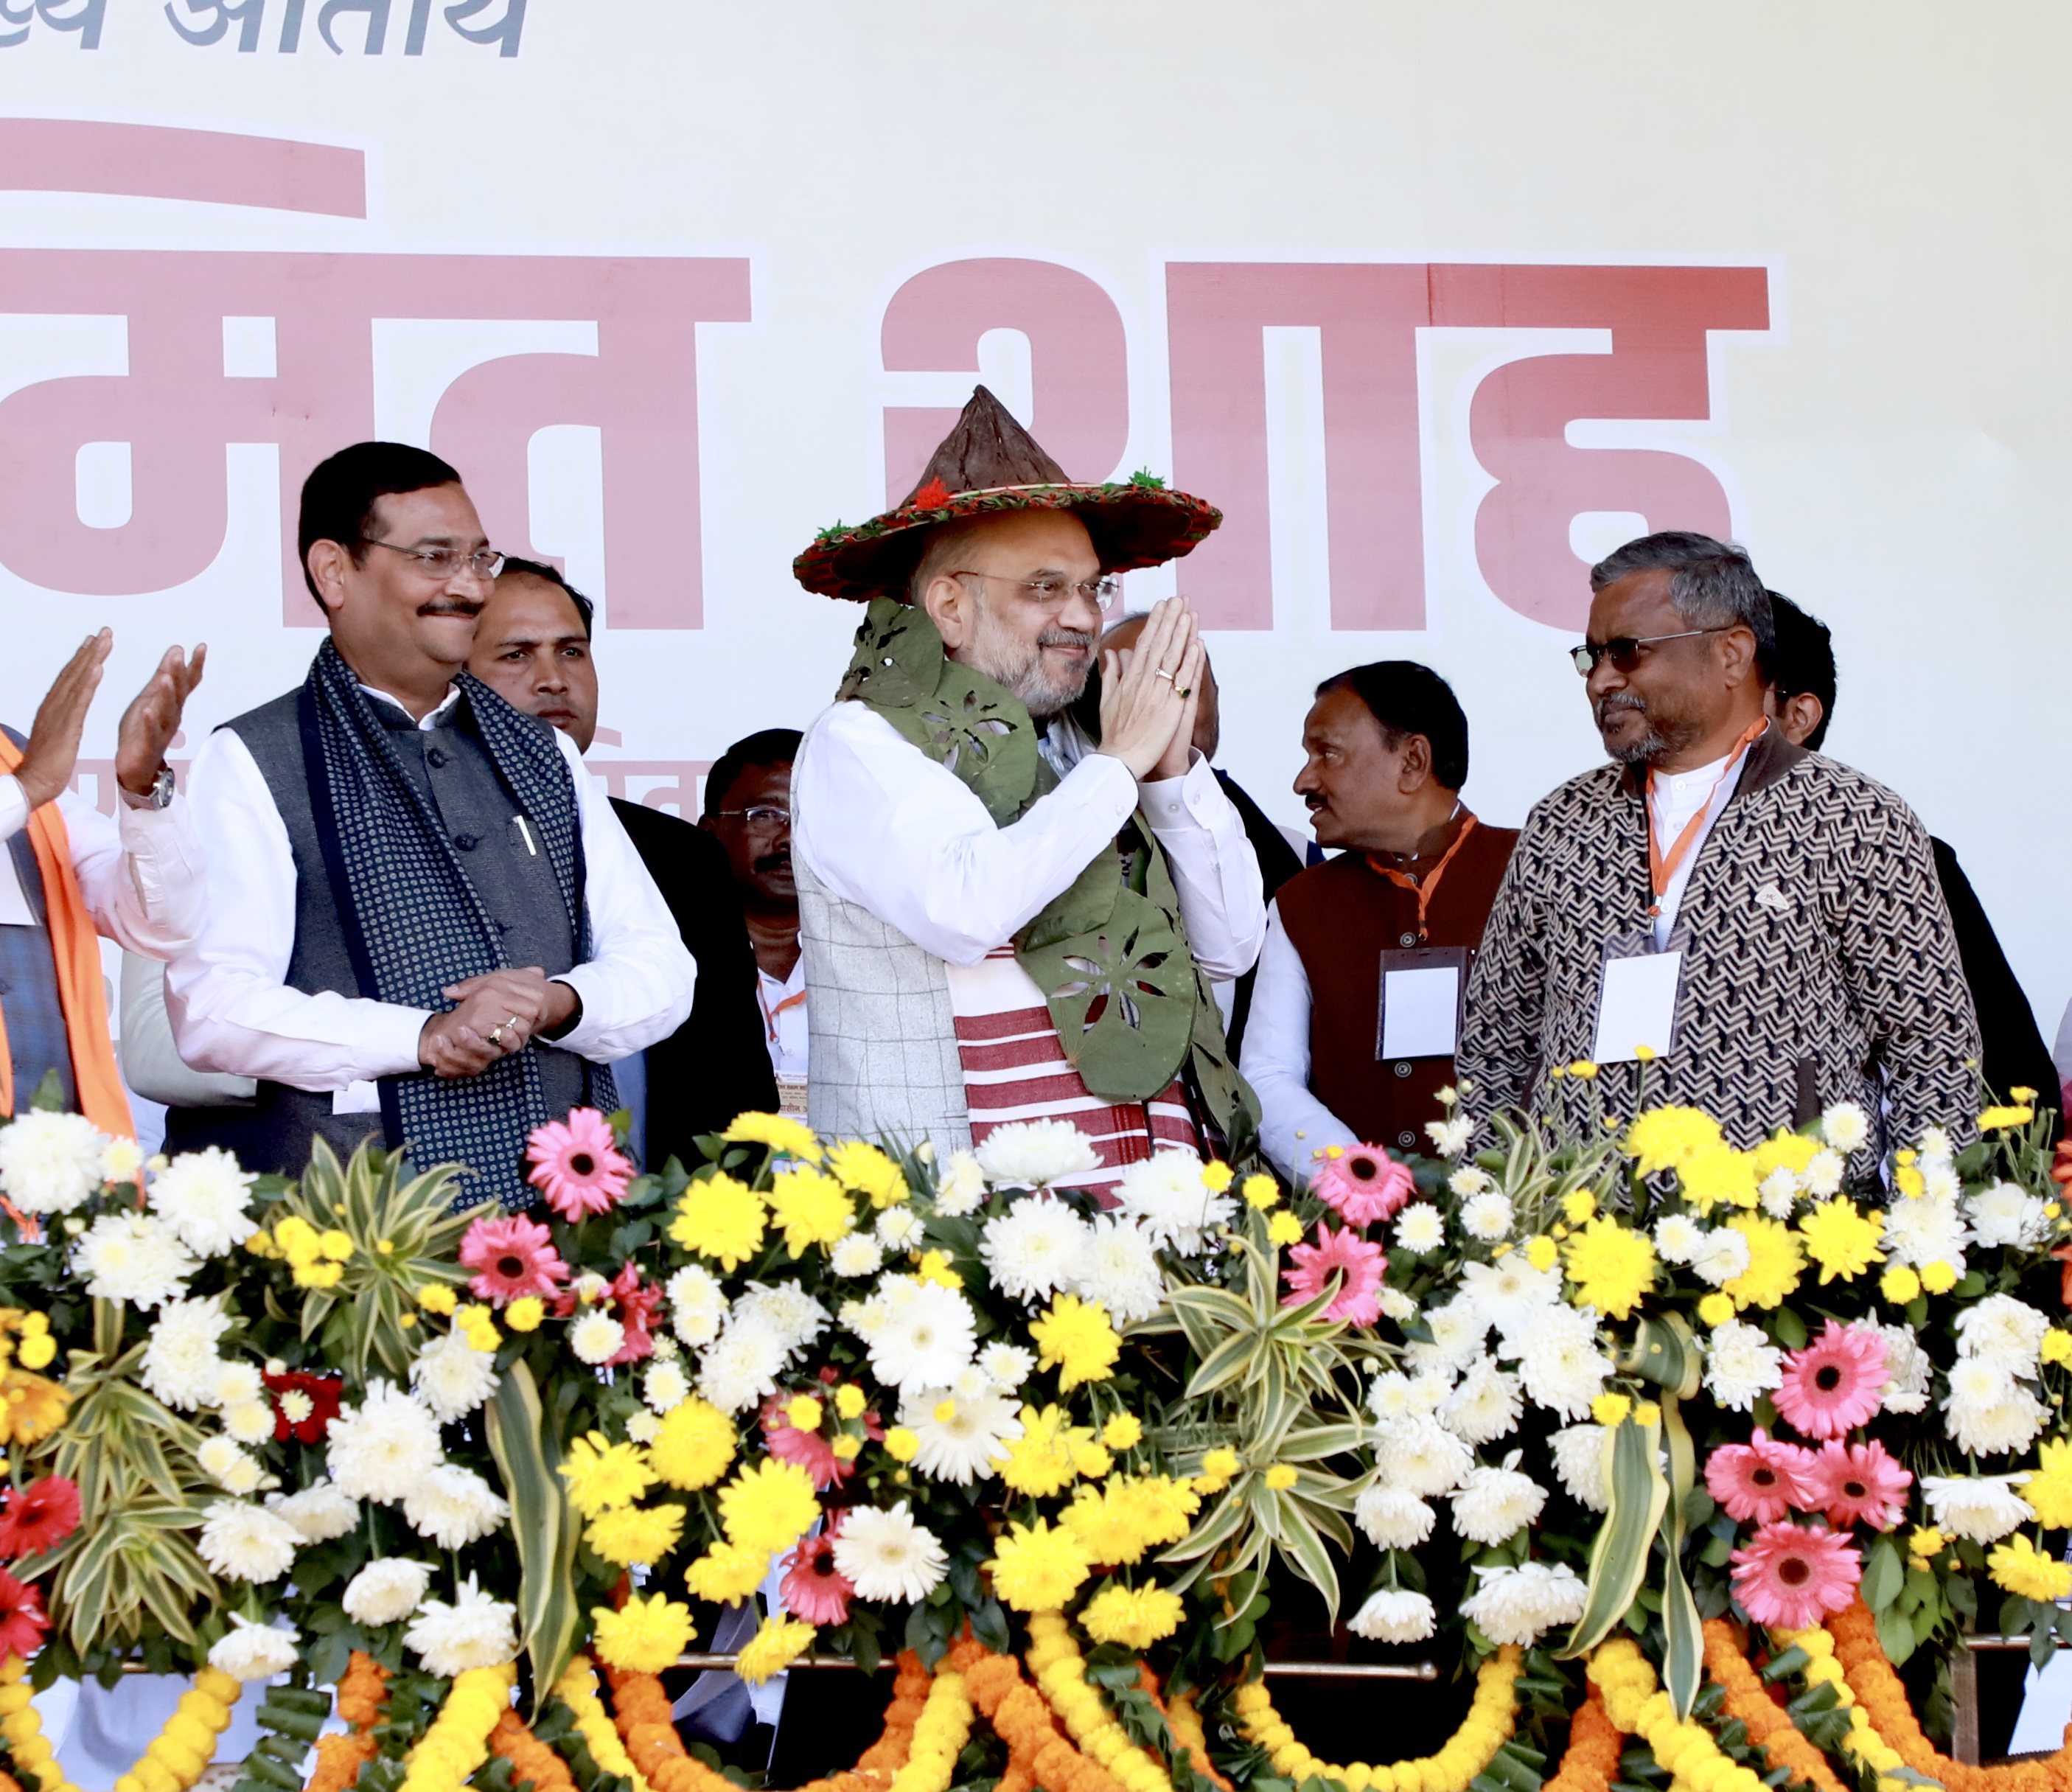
(1340, 917)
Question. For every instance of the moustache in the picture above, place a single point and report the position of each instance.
(778, 860)
(1313, 801)
(452, 606)
(1066, 637)
(1613, 701)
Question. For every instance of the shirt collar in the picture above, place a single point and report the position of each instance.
(430, 719)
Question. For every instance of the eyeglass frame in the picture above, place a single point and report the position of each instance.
(1090, 588)
(781, 817)
(427, 558)
(1586, 658)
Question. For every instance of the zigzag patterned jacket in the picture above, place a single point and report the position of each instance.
(1820, 964)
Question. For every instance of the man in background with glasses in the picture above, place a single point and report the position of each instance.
(1718, 918)
(1001, 921)
(424, 921)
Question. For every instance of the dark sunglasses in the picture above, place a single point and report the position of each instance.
(1624, 653)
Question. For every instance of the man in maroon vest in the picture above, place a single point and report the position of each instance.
(1357, 1008)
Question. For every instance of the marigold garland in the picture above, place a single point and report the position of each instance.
(531, 1759)
(1185, 1722)
(1862, 1741)
(577, 1689)
(445, 1757)
(1768, 1726)
(1638, 1706)
(1054, 1658)
(1487, 1726)
(362, 1692)
(1590, 1762)
(1038, 1755)
(175, 1758)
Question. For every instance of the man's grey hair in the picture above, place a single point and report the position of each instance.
(1713, 584)
(943, 548)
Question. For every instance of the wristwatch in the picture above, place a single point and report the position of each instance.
(159, 796)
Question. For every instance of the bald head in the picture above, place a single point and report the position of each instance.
(1208, 716)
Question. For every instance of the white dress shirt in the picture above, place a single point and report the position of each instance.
(881, 825)
(783, 1002)
(141, 873)
(1674, 799)
(234, 1010)
(1293, 1124)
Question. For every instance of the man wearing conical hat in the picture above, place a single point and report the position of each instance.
(1002, 920)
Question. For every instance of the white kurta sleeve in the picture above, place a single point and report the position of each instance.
(140, 874)
(1293, 1124)
(1223, 898)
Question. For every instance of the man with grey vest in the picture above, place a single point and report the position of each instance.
(426, 922)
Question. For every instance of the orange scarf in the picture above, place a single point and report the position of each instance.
(75, 945)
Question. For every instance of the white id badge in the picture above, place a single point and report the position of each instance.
(1421, 991)
(1637, 1001)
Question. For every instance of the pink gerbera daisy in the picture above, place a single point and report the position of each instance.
(813, 1588)
(637, 1302)
(1836, 1383)
(1364, 1184)
(512, 1258)
(577, 1165)
(1763, 1479)
(809, 1449)
(1856, 1484)
(1790, 1576)
(1361, 1263)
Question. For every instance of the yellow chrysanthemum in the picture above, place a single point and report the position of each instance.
(1134, 1617)
(2021, 1568)
(1092, 1460)
(1925, 1544)
(768, 1505)
(643, 1636)
(1117, 1522)
(1995, 1120)
(2057, 1345)
(1284, 1228)
(1716, 1308)
(1719, 1174)
(2048, 1487)
(1218, 1467)
(1909, 1181)
(1577, 1205)
(524, 1313)
(780, 1642)
(1217, 1176)
(1126, 1430)
(1939, 1277)
(935, 1266)
(603, 1475)
(1792, 1151)
(694, 1445)
(630, 1533)
(1542, 1252)
(789, 1136)
(727, 1573)
(1775, 1262)
(1261, 1191)
(1610, 1266)
(1040, 1462)
(1036, 1568)
(866, 1170)
(1899, 1284)
(1841, 1239)
(902, 1444)
(1667, 1138)
(849, 1400)
(722, 1218)
(1281, 1477)
(1075, 1336)
(810, 1207)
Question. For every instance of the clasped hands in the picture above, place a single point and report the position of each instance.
(494, 1016)
(1149, 694)
(146, 731)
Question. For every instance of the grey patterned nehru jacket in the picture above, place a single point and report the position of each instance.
(1820, 963)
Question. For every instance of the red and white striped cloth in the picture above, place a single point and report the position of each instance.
(1015, 1068)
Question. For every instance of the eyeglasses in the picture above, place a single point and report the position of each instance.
(1624, 653)
(763, 815)
(442, 563)
(1054, 593)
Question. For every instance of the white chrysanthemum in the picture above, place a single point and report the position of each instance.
(1450, 1137)
(388, 1589)
(1559, 1360)
(1458, 1327)
(1516, 1604)
(697, 1305)
(2004, 1330)
(237, 1383)
(247, 1543)
(1485, 1407)
(1920, 1230)
(741, 1367)
(249, 1421)
(2007, 1214)
(1742, 1364)
(1119, 1269)
(1391, 1395)
(1468, 1181)
(453, 1506)
(857, 1255)
(1940, 1181)
(596, 1337)
(1508, 1293)
(1397, 1304)
(2002, 1429)
(131, 1256)
(1984, 1507)
(453, 1378)
(961, 1188)
(972, 1381)
(1978, 1381)
(1034, 1248)
(318, 1513)
(1494, 1504)
(227, 1464)
(1006, 1366)
(1722, 1254)
(927, 1338)
(900, 1229)
(786, 1309)
(1487, 1216)
(1579, 1461)
(961, 1439)
(1394, 1615)
(202, 1196)
(1421, 1229)
(181, 1364)
(121, 1160)
(642, 1427)
(50, 1163)
(1778, 1193)
(665, 1387)
(475, 1631)
(1393, 1518)
(865, 1318)
(1176, 1207)
(1908, 1370)
(1422, 1456)
(1036, 1153)
(1677, 1237)
(887, 1555)
(383, 1448)
(252, 1651)
(1846, 1126)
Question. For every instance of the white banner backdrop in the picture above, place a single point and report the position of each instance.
(1438, 302)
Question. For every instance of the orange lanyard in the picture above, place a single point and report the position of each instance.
(1428, 887)
(1662, 867)
(770, 1014)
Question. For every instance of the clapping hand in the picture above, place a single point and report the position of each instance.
(1148, 704)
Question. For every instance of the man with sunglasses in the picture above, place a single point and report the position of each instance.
(1001, 921)
(424, 921)
(1718, 918)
